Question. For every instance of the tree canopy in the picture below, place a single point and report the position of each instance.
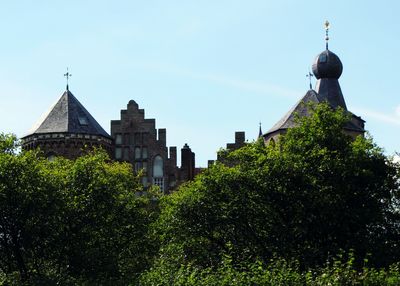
(312, 194)
(66, 221)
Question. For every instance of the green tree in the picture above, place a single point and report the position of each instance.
(71, 222)
(8, 143)
(105, 229)
(315, 192)
(29, 204)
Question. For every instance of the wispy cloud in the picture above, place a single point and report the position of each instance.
(253, 86)
(390, 118)
(398, 111)
(249, 85)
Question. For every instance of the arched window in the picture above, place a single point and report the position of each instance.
(158, 166)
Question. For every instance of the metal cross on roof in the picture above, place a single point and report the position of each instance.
(67, 75)
(327, 26)
(309, 76)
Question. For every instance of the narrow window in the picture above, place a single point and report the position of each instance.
(118, 153)
(158, 167)
(144, 153)
(118, 139)
(137, 153)
(126, 154)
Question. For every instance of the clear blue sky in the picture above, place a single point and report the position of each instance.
(203, 69)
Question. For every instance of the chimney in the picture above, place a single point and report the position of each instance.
(172, 155)
(162, 136)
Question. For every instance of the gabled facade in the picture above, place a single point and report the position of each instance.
(138, 141)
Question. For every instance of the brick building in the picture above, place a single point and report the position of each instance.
(69, 130)
(138, 141)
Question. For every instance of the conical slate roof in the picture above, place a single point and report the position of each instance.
(300, 109)
(68, 115)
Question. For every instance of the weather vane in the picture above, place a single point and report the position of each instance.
(67, 75)
(309, 76)
(327, 26)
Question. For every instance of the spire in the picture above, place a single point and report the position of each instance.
(67, 75)
(260, 134)
(327, 26)
(327, 69)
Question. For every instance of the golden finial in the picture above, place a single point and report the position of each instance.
(327, 26)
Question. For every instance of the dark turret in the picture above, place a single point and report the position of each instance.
(66, 130)
(327, 68)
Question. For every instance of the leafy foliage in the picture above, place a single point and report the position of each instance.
(307, 197)
(275, 272)
(8, 143)
(71, 220)
(28, 211)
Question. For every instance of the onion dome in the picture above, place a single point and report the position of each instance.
(327, 65)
